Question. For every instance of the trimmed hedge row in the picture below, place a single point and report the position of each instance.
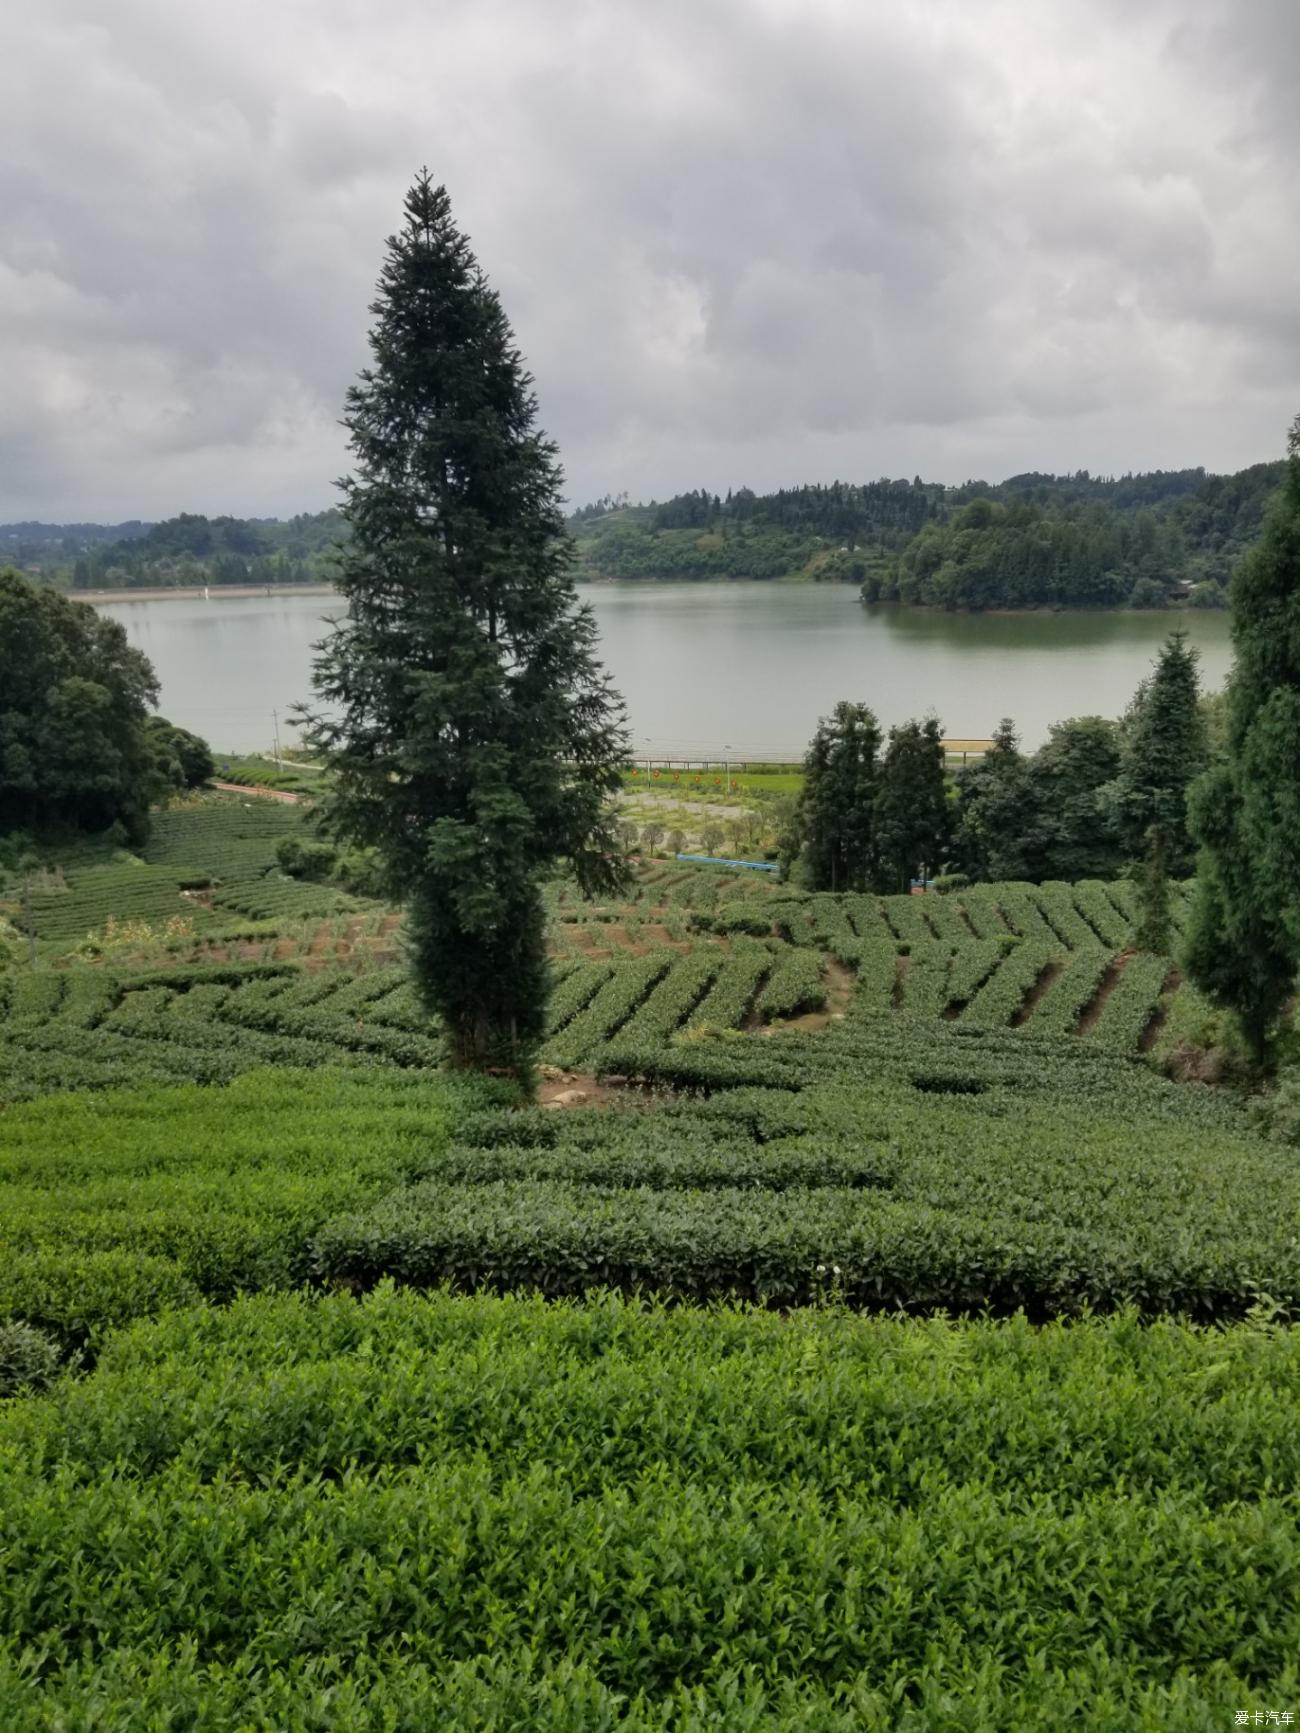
(1074, 989)
(796, 984)
(1132, 1002)
(993, 1198)
(113, 1206)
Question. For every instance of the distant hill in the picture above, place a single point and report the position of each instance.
(181, 551)
(1030, 541)
(1033, 540)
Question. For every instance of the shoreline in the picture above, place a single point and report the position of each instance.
(189, 592)
(215, 592)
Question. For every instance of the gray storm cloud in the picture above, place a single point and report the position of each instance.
(751, 241)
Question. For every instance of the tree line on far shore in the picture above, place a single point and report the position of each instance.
(1032, 541)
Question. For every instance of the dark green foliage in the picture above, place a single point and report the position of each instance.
(912, 817)
(1072, 837)
(303, 858)
(185, 761)
(995, 837)
(1030, 541)
(1243, 940)
(1154, 930)
(1018, 554)
(192, 549)
(833, 836)
(1163, 750)
(473, 738)
(75, 746)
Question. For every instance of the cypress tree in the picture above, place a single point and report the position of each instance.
(1163, 751)
(912, 812)
(833, 830)
(473, 736)
(997, 817)
(1243, 942)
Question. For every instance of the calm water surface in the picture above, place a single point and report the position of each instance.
(711, 667)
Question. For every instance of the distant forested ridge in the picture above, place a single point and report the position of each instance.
(183, 551)
(1030, 541)
(1033, 540)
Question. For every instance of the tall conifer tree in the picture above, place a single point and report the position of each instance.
(473, 735)
(833, 828)
(1243, 943)
(913, 818)
(1162, 753)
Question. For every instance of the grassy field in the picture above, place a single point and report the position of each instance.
(862, 1332)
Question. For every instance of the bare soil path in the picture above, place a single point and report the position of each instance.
(265, 793)
(1093, 1009)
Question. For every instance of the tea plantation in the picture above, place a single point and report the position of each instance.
(863, 1333)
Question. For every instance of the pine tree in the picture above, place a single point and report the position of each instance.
(912, 812)
(832, 834)
(473, 736)
(1243, 943)
(997, 828)
(1162, 753)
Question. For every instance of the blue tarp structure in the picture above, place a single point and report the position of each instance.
(752, 866)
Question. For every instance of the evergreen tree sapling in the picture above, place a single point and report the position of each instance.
(1162, 752)
(1243, 942)
(473, 736)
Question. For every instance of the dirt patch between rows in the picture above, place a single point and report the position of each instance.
(1030, 1001)
(1093, 1009)
(560, 1090)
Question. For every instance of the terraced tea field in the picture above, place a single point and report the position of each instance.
(375, 1398)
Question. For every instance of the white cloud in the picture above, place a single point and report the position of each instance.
(740, 242)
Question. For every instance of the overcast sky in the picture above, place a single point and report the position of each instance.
(741, 241)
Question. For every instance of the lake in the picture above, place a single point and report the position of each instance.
(711, 669)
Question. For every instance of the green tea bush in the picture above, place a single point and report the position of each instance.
(576, 990)
(1132, 1002)
(606, 1013)
(119, 1205)
(1056, 900)
(410, 1513)
(672, 1001)
(796, 984)
(1005, 992)
(946, 1185)
(1106, 920)
(1074, 989)
(727, 1003)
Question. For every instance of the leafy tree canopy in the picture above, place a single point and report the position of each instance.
(76, 748)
